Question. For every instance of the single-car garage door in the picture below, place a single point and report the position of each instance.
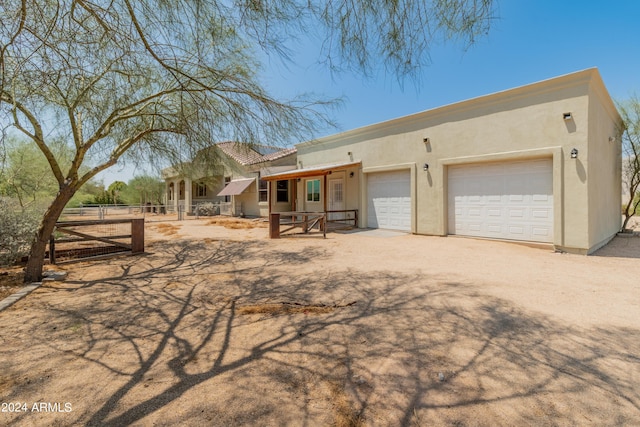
(389, 200)
(512, 200)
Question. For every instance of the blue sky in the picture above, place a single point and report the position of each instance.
(531, 40)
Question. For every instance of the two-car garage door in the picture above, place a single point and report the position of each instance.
(512, 200)
(508, 200)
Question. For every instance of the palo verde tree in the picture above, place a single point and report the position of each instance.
(116, 189)
(144, 189)
(630, 113)
(150, 78)
(25, 175)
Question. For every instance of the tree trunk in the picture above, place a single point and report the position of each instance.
(33, 270)
(632, 206)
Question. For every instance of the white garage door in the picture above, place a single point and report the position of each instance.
(389, 200)
(511, 200)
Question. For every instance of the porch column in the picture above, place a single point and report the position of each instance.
(176, 194)
(187, 194)
(268, 196)
(326, 191)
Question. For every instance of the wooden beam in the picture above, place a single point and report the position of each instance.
(90, 237)
(274, 226)
(326, 191)
(137, 236)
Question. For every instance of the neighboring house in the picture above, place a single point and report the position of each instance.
(228, 174)
(539, 163)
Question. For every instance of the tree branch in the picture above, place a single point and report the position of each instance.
(3, 49)
(117, 153)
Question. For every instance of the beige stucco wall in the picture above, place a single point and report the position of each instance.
(604, 168)
(522, 123)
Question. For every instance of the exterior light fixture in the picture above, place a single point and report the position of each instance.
(567, 116)
(350, 174)
(425, 167)
(426, 140)
(574, 153)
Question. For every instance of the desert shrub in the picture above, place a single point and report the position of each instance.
(18, 227)
(207, 209)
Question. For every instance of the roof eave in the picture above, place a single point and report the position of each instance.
(311, 171)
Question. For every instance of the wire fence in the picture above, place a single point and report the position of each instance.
(150, 212)
(74, 240)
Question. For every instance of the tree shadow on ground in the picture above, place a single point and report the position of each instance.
(172, 348)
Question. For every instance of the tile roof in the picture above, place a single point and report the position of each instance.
(248, 154)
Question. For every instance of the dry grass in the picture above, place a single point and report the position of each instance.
(167, 229)
(345, 413)
(237, 223)
(276, 309)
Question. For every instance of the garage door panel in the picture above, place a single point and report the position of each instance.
(474, 212)
(389, 200)
(542, 214)
(517, 230)
(493, 212)
(542, 198)
(475, 227)
(516, 213)
(512, 200)
(541, 231)
(494, 228)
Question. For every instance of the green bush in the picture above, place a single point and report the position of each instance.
(18, 228)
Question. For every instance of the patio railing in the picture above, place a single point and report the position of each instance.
(342, 219)
(307, 221)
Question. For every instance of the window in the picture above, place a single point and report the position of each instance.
(263, 187)
(201, 190)
(282, 191)
(313, 190)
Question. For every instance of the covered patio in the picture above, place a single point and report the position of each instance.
(319, 192)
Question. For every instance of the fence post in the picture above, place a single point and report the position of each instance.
(180, 212)
(274, 225)
(324, 225)
(137, 235)
(52, 249)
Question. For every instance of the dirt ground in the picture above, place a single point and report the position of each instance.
(220, 326)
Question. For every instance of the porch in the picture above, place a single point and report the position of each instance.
(332, 190)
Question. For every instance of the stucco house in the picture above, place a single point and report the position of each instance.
(228, 175)
(538, 163)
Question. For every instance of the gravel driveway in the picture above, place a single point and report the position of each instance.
(219, 326)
